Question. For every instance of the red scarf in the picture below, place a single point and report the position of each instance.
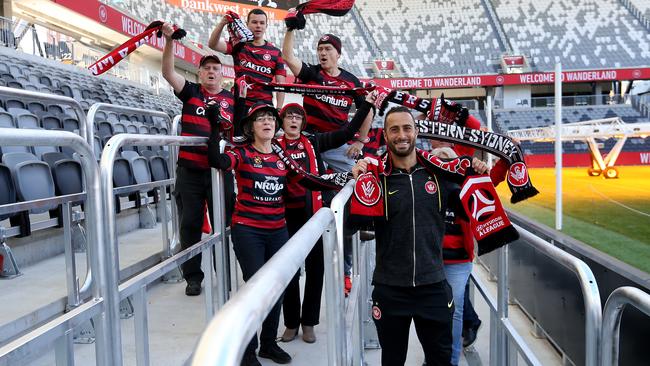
(311, 166)
(118, 54)
(244, 83)
(489, 222)
(295, 18)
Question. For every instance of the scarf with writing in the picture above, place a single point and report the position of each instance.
(238, 31)
(445, 121)
(311, 165)
(120, 52)
(488, 220)
(244, 83)
(295, 18)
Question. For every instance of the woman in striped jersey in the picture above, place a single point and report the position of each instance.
(258, 224)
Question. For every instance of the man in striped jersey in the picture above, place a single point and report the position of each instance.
(258, 59)
(193, 182)
(327, 113)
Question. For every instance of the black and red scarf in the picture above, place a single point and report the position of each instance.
(445, 120)
(295, 18)
(237, 30)
(488, 220)
(120, 52)
(245, 83)
(312, 168)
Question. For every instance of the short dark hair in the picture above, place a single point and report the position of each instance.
(256, 11)
(398, 109)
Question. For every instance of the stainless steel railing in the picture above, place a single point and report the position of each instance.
(614, 306)
(59, 329)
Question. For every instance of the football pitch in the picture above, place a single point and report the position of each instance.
(612, 215)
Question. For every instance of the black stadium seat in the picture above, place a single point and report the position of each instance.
(122, 176)
(51, 122)
(7, 189)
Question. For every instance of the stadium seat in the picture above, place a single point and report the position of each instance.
(7, 189)
(6, 120)
(51, 122)
(34, 181)
(70, 124)
(39, 151)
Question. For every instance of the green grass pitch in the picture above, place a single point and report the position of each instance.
(612, 215)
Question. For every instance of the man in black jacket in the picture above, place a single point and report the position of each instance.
(409, 277)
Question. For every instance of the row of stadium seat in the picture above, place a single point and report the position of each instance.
(579, 33)
(456, 37)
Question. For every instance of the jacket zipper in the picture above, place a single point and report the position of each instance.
(413, 216)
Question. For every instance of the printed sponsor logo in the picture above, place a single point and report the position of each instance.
(270, 186)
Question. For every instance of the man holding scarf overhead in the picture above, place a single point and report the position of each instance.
(193, 182)
(258, 59)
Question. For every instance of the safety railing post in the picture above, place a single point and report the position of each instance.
(72, 282)
(111, 150)
(219, 226)
(612, 314)
(502, 306)
(141, 320)
(93, 209)
(334, 295)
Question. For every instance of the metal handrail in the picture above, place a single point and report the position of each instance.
(224, 340)
(590, 292)
(111, 150)
(84, 131)
(614, 306)
(338, 207)
(94, 220)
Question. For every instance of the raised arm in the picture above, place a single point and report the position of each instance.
(215, 42)
(173, 78)
(294, 63)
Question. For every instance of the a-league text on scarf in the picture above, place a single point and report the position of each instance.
(446, 121)
(123, 50)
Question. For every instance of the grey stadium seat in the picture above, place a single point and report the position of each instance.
(39, 151)
(7, 189)
(70, 124)
(34, 181)
(51, 122)
(6, 120)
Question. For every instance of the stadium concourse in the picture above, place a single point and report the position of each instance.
(538, 304)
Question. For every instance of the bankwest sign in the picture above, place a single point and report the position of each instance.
(122, 23)
(449, 82)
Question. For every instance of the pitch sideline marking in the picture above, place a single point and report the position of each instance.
(617, 203)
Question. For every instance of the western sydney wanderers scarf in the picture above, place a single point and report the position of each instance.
(238, 31)
(489, 222)
(312, 168)
(244, 83)
(123, 50)
(446, 121)
(334, 181)
(295, 19)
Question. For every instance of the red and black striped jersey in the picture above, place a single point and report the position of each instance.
(195, 123)
(327, 112)
(377, 140)
(262, 63)
(261, 186)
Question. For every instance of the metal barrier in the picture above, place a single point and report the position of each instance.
(137, 285)
(226, 337)
(612, 314)
(85, 129)
(59, 329)
(501, 328)
(171, 163)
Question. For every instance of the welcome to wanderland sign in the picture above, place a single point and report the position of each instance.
(578, 76)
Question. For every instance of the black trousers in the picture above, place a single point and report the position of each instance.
(314, 269)
(430, 307)
(253, 248)
(193, 188)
